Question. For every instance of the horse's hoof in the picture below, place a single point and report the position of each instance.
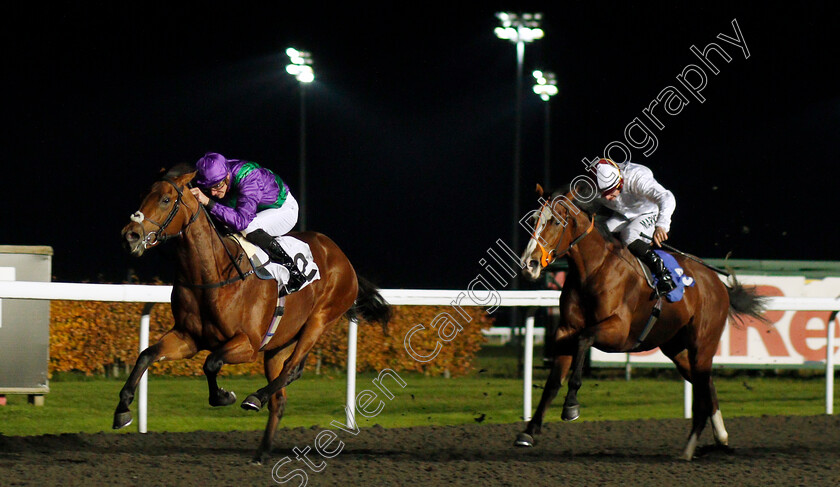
(571, 413)
(260, 458)
(223, 398)
(121, 420)
(524, 440)
(252, 403)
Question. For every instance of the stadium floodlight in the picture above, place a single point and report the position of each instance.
(519, 27)
(546, 85)
(301, 65)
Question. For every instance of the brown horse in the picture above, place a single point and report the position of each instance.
(219, 305)
(607, 303)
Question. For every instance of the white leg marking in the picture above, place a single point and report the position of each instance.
(721, 436)
(690, 447)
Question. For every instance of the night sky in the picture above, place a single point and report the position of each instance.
(410, 123)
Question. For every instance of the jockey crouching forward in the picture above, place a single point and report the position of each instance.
(641, 208)
(253, 200)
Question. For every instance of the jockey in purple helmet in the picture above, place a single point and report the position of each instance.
(253, 200)
(642, 210)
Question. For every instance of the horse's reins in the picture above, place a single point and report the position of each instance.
(158, 236)
(548, 256)
(233, 261)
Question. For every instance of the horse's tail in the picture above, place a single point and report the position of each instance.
(370, 305)
(745, 301)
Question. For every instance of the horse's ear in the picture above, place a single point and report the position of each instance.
(185, 178)
(539, 190)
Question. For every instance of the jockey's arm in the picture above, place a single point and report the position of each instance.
(240, 217)
(664, 200)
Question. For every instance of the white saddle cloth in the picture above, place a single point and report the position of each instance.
(297, 249)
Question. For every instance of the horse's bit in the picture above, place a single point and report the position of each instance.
(153, 238)
(548, 256)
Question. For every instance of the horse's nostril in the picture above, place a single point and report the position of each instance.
(533, 264)
(132, 236)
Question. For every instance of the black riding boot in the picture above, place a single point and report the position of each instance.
(276, 253)
(664, 282)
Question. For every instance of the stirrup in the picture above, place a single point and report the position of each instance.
(661, 283)
(296, 282)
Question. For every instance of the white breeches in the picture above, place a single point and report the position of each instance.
(638, 228)
(276, 221)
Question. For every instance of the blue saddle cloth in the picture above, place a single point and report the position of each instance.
(677, 274)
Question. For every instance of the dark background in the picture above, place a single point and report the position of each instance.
(410, 123)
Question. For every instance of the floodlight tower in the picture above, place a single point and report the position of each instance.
(546, 87)
(518, 29)
(301, 68)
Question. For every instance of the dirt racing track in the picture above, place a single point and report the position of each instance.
(797, 450)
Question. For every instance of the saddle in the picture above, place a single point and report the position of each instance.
(677, 274)
(680, 279)
(251, 251)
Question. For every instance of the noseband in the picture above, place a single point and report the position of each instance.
(548, 256)
(153, 238)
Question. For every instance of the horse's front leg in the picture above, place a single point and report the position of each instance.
(571, 407)
(173, 345)
(237, 350)
(559, 370)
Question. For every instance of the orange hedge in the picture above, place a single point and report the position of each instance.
(91, 337)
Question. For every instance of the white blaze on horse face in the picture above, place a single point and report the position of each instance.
(137, 217)
(530, 262)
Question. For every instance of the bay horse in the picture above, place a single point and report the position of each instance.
(218, 304)
(607, 303)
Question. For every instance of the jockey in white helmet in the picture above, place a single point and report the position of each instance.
(642, 210)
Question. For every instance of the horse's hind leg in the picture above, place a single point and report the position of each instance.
(313, 329)
(705, 403)
(237, 350)
(555, 380)
(172, 346)
(721, 436)
(701, 409)
(273, 365)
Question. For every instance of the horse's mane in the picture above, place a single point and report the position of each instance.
(179, 170)
(594, 208)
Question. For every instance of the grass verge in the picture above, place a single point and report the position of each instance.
(180, 404)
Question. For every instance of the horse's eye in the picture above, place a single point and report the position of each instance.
(165, 200)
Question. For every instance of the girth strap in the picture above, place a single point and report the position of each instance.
(275, 322)
(654, 315)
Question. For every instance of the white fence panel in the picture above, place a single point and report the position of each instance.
(161, 294)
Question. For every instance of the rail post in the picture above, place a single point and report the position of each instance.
(352, 331)
(143, 388)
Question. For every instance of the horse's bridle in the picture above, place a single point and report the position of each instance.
(548, 256)
(155, 237)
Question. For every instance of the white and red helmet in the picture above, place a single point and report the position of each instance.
(608, 176)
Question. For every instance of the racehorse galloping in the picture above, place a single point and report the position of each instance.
(220, 306)
(607, 303)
